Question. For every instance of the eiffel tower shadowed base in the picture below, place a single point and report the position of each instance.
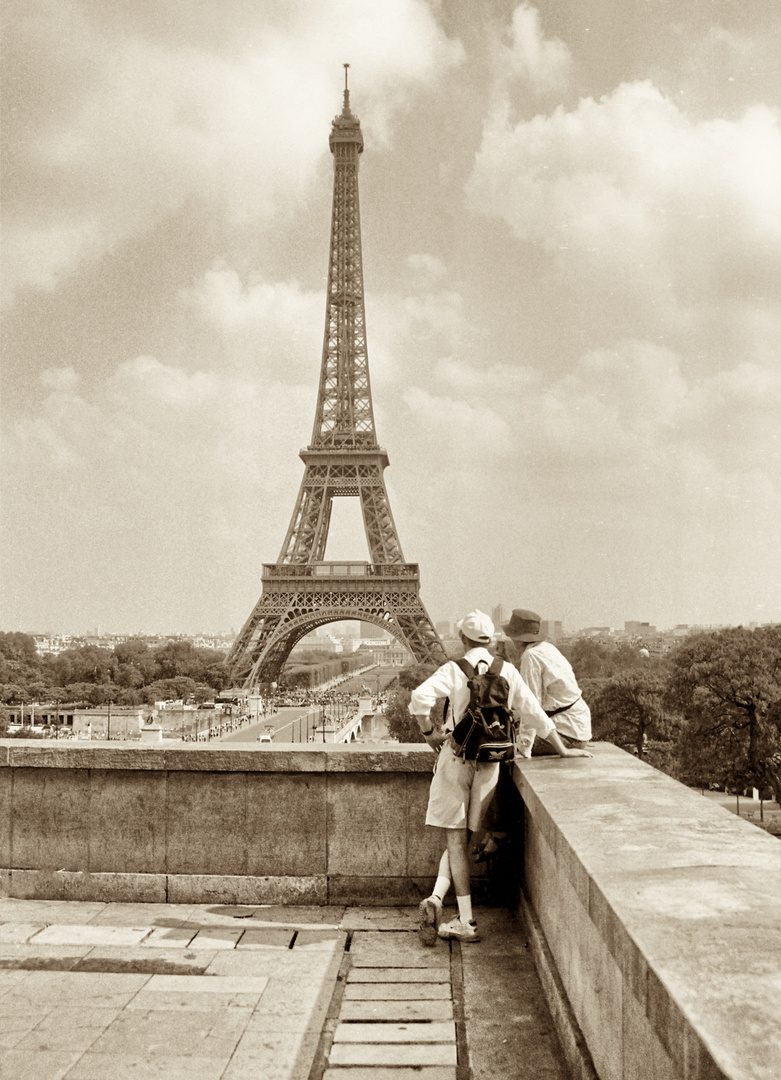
(302, 591)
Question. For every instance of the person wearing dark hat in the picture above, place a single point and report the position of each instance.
(461, 788)
(550, 677)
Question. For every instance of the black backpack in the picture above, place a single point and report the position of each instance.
(485, 731)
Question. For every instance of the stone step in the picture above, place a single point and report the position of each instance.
(396, 1010)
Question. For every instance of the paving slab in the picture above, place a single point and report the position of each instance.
(284, 963)
(136, 914)
(195, 984)
(52, 988)
(93, 1066)
(301, 917)
(49, 911)
(72, 934)
(396, 1010)
(373, 1054)
(273, 1055)
(138, 960)
(221, 937)
(266, 938)
(14, 1028)
(69, 1029)
(397, 992)
(311, 940)
(36, 1065)
(377, 957)
(202, 1033)
(10, 977)
(166, 937)
(442, 1032)
(395, 949)
(18, 931)
(381, 1072)
(393, 918)
(440, 973)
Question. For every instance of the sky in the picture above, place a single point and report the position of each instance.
(570, 221)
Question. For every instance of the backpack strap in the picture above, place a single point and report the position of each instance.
(496, 666)
(466, 667)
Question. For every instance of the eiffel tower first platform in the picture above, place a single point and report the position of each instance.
(302, 591)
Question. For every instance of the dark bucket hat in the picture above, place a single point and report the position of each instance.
(524, 626)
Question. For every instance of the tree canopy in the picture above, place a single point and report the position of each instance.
(727, 685)
(132, 673)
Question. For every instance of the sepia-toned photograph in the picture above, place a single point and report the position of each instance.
(390, 559)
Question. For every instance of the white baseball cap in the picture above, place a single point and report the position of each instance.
(477, 626)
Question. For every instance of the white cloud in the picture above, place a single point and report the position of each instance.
(632, 191)
(155, 477)
(632, 409)
(544, 63)
(266, 326)
(427, 268)
(146, 123)
(459, 427)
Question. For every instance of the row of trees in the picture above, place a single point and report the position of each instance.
(707, 713)
(132, 673)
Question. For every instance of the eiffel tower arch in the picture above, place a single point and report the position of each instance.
(301, 590)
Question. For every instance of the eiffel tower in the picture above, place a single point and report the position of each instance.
(301, 591)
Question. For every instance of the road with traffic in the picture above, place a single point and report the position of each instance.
(296, 723)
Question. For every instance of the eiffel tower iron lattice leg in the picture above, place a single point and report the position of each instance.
(301, 591)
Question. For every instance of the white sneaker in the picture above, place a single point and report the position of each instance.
(459, 931)
(429, 915)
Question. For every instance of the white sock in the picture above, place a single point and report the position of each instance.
(441, 887)
(464, 908)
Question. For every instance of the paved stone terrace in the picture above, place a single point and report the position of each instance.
(94, 991)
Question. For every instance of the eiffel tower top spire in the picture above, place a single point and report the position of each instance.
(346, 106)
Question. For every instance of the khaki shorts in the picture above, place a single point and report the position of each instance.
(460, 791)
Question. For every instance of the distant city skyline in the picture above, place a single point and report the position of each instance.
(571, 243)
(106, 632)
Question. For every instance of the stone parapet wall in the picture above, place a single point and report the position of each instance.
(662, 914)
(657, 911)
(123, 822)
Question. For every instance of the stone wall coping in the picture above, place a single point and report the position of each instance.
(685, 897)
(197, 757)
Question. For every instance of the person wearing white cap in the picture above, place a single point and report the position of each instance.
(461, 788)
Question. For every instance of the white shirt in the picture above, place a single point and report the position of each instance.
(449, 681)
(551, 679)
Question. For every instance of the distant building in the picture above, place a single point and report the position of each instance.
(638, 629)
(552, 629)
(499, 616)
(52, 646)
(40, 715)
(392, 655)
(446, 628)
